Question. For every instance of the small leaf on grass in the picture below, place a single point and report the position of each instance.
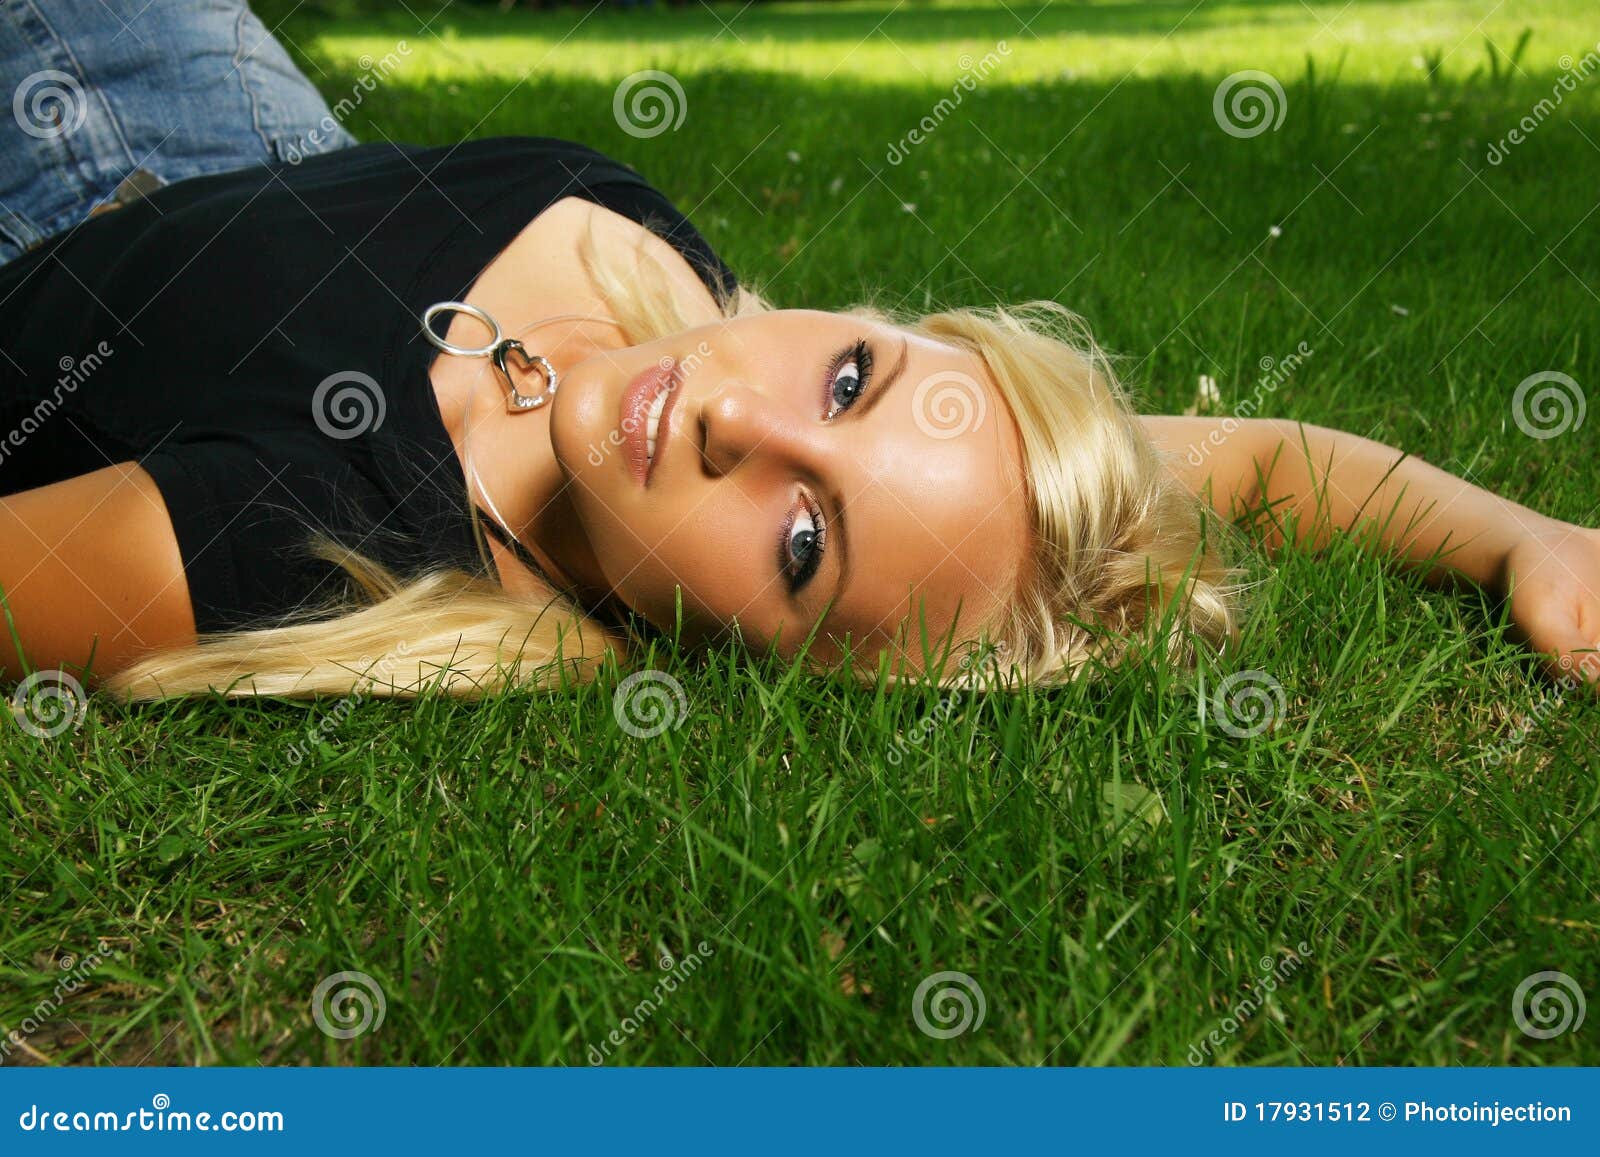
(1129, 802)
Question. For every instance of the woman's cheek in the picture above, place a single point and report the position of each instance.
(711, 553)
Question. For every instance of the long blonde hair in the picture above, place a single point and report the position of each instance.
(1119, 549)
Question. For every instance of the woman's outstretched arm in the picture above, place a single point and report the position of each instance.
(1440, 523)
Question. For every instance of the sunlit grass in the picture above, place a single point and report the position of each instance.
(912, 45)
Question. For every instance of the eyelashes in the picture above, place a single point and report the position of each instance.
(842, 389)
(805, 534)
(801, 546)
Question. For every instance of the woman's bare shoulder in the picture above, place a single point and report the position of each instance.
(550, 242)
(90, 566)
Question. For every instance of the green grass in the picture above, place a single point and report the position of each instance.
(1114, 869)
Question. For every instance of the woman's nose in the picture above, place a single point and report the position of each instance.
(743, 426)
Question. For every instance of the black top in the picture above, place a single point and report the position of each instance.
(252, 339)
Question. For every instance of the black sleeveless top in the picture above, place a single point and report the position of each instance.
(252, 339)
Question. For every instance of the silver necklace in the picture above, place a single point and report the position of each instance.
(498, 348)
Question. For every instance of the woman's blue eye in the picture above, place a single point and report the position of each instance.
(846, 385)
(803, 538)
(848, 377)
(803, 546)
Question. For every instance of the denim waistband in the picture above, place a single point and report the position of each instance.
(112, 98)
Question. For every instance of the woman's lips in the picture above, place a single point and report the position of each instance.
(634, 417)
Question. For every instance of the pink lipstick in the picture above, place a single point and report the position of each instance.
(643, 417)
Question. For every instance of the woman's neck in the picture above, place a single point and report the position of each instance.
(508, 459)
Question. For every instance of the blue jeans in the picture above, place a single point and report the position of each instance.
(110, 99)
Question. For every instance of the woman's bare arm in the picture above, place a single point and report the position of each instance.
(90, 567)
(1331, 479)
(1429, 518)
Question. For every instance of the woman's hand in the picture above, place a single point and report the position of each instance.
(1553, 577)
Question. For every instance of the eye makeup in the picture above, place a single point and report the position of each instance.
(841, 390)
(802, 544)
(804, 538)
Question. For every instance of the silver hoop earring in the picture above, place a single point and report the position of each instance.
(498, 349)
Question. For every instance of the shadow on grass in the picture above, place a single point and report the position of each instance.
(1354, 170)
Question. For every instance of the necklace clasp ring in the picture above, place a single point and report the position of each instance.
(472, 311)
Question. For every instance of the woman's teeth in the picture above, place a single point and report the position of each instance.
(652, 423)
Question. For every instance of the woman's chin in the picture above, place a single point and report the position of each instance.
(583, 430)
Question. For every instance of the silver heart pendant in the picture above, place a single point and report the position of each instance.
(517, 400)
(497, 350)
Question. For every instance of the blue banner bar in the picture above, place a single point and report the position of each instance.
(802, 1111)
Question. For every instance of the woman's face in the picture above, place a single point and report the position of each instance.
(806, 465)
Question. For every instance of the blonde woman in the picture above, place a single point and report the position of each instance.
(274, 405)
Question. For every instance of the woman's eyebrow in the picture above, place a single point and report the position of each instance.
(889, 379)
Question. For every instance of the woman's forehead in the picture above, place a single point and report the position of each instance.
(936, 508)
